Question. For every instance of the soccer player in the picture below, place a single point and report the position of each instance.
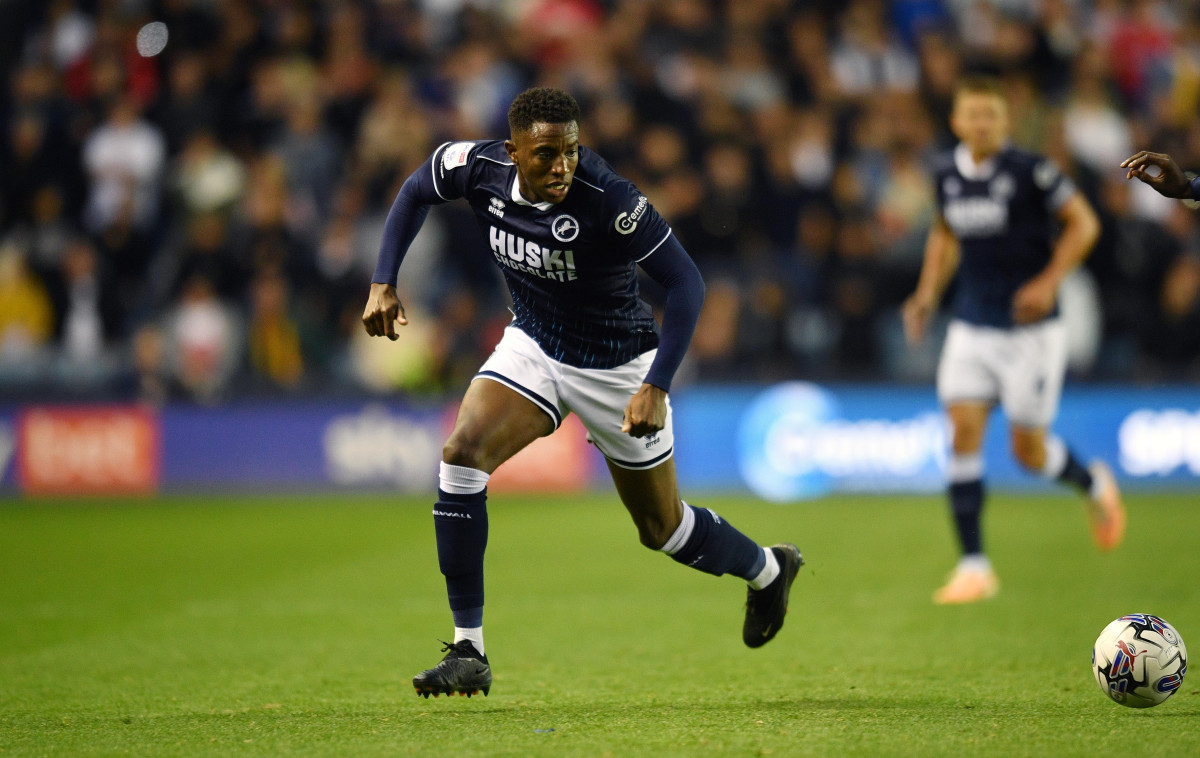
(568, 233)
(998, 210)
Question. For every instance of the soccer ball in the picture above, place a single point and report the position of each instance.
(1139, 660)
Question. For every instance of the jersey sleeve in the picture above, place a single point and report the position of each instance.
(674, 269)
(634, 225)
(443, 177)
(450, 169)
(1055, 187)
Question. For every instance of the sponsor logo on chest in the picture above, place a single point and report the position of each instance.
(979, 215)
(520, 254)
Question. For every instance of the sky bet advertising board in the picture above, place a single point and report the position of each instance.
(786, 443)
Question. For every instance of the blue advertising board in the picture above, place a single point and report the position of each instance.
(797, 440)
(301, 446)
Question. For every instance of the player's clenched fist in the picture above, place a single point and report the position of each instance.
(646, 412)
(384, 310)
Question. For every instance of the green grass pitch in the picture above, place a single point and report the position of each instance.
(292, 626)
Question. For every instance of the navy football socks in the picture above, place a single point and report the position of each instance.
(1062, 465)
(966, 503)
(461, 525)
(1076, 474)
(708, 543)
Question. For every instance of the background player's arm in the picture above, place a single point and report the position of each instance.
(941, 262)
(672, 267)
(1168, 179)
(1036, 298)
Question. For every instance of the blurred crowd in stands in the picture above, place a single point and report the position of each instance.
(203, 224)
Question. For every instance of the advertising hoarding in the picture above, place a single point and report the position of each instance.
(785, 443)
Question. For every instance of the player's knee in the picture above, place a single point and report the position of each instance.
(462, 450)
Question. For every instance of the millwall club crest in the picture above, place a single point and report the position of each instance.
(564, 228)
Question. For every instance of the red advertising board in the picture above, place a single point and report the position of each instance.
(561, 462)
(87, 450)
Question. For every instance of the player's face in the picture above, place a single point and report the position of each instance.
(980, 121)
(546, 156)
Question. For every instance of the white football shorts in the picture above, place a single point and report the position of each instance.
(597, 396)
(1022, 368)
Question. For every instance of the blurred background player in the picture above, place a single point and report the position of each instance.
(568, 234)
(998, 209)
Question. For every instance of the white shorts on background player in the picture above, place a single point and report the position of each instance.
(597, 396)
(1021, 368)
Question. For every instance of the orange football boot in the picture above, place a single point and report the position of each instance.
(1105, 509)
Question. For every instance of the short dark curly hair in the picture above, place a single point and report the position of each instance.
(541, 105)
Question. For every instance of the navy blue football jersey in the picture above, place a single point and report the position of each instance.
(1003, 214)
(571, 267)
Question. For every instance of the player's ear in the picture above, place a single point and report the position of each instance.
(510, 147)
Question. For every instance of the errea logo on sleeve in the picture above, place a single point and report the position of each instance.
(627, 222)
(455, 155)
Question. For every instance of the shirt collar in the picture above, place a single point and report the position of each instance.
(516, 196)
(971, 170)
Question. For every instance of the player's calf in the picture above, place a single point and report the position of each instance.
(706, 542)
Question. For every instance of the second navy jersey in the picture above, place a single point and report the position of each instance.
(1005, 221)
(571, 267)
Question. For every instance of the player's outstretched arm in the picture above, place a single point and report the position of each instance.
(1035, 299)
(404, 220)
(1161, 172)
(941, 261)
(384, 310)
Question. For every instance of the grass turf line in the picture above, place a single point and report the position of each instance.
(292, 626)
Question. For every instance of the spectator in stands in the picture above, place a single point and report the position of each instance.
(273, 333)
(749, 113)
(203, 341)
(26, 317)
(124, 159)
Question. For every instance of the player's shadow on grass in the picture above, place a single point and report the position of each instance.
(788, 707)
